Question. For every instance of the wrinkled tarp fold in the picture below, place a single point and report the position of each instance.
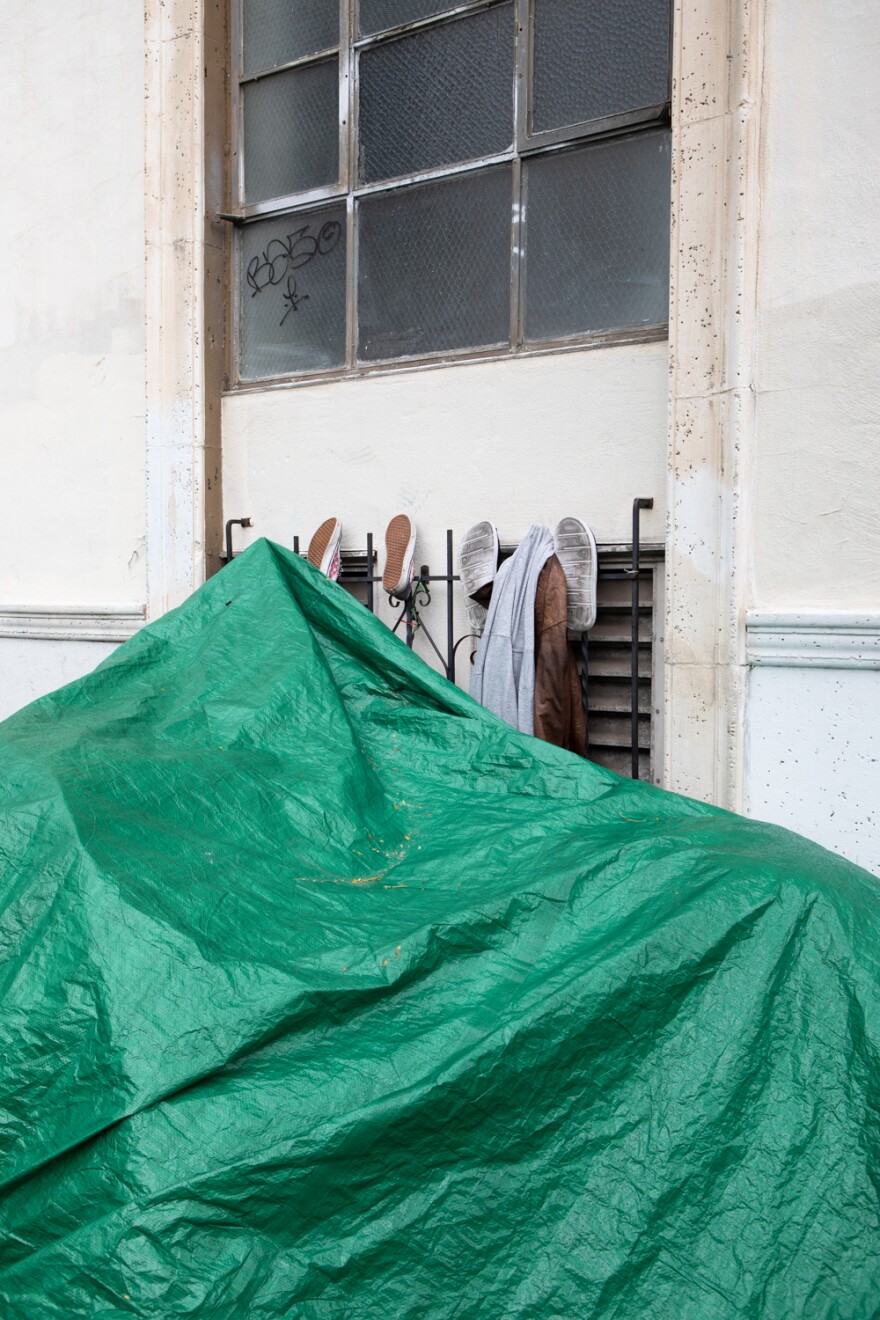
(326, 994)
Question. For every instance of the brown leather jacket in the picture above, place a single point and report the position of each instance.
(559, 708)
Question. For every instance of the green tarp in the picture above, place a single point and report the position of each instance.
(325, 994)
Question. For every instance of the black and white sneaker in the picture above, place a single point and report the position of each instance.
(575, 548)
(323, 549)
(478, 564)
(400, 556)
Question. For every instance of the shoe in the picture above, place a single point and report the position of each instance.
(400, 555)
(575, 548)
(323, 549)
(478, 564)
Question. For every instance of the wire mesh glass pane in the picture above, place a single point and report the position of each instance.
(597, 237)
(292, 294)
(438, 96)
(434, 267)
(278, 31)
(377, 15)
(598, 57)
(291, 131)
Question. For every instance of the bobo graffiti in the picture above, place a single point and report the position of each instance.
(282, 256)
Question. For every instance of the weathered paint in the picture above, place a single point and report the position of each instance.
(716, 107)
(72, 303)
(185, 311)
(813, 755)
(30, 668)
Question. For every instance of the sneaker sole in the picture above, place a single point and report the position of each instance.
(477, 615)
(478, 564)
(575, 548)
(400, 541)
(324, 544)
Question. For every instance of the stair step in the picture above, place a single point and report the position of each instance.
(621, 762)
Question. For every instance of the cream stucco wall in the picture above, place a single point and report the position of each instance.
(816, 457)
(71, 308)
(812, 713)
(516, 441)
(71, 319)
(813, 755)
(29, 669)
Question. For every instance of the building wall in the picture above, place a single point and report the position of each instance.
(515, 441)
(772, 451)
(31, 667)
(71, 328)
(813, 728)
(816, 470)
(813, 738)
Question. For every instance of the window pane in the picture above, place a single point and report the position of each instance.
(598, 57)
(438, 96)
(597, 237)
(278, 31)
(434, 267)
(377, 15)
(293, 294)
(291, 131)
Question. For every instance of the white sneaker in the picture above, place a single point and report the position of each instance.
(323, 549)
(400, 556)
(478, 564)
(575, 547)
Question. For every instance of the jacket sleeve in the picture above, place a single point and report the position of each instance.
(559, 716)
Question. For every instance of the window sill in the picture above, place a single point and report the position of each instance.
(614, 339)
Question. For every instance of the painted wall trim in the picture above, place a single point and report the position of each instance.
(66, 623)
(818, 639)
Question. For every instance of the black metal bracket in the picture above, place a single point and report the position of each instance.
(234, 522)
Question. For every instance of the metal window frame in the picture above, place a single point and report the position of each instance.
(529, 141)
(348, 189)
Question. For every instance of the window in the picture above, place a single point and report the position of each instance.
(418, 180)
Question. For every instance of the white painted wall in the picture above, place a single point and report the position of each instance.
(816, 464)
(813, 733)
(30, 668)
(517, 441)
(71, 318)
(813, 756)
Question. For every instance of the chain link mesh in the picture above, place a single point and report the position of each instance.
(291, 131)
(437, 97)
(597, 237)
(292, 294)
(598, 57)
(434, 267)
(278, 31)
(377, 15)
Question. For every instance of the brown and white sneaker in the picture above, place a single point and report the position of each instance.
(323, 549)
(400, 556)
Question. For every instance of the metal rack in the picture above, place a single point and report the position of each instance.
(358, 572)
(358, 569)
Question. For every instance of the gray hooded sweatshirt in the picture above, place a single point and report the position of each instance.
(503, 678)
